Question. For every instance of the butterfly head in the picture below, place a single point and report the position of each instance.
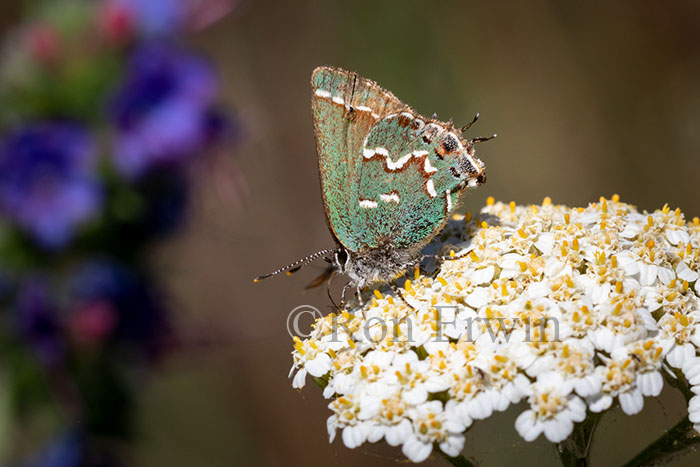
(464, 165)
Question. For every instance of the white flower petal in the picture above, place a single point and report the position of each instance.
(675, 237)
(630, 231)
(684, 273)
(651, 383)
(679, 354)
(647, 273)
(332, 426)
(553, 267)
(354, 436)
(398, 434)
(558, 429)
(588, 385)
(527, 426)
(576, 409)
(691, 368)
(319, 366)
(416, 396)
(478, 298)
(483, 275)
(631, 401)
(453, 445)
(666, 275)
(299, 379)
(694, 404)
(375, 432)
(480, 407)
(694, 416)
(628, 263)
(416, 450)
(599, 402)
(545, 243)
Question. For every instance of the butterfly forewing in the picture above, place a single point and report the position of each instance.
(345, 107)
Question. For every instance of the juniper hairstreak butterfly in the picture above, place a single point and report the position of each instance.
(390, 178)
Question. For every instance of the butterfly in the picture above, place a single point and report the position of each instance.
(390, 178)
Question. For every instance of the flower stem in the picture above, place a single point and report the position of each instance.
(573, 452)
(457, 461)
(675, 440)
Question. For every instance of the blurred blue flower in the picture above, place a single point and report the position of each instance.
(163, 110)
(115, 302)
(48, 184)
(64, 451)
(152, 17)
(37, 319)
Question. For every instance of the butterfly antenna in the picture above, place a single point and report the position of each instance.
(295, 266)
(483, 139)
(468, 125)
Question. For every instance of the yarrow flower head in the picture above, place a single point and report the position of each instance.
(567, 309)
(48, 181)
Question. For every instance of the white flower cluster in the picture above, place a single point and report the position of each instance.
(567, 308)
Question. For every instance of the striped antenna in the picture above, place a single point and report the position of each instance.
(483, 139)
(468, 125)
(297, 264)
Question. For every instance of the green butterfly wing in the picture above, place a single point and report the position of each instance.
(386, 176)
(410, 187)
(340, 134)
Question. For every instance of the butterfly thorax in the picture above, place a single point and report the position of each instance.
(375, 266)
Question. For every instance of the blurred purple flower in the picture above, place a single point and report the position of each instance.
(151, 17)
(114, 302)
(37, 320)
(163, 111)
(48, 184)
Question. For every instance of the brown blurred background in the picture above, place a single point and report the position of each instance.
(588, 98)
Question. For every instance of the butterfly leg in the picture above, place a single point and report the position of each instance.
(443, 257)
(342, 294)
(398, 293)
(359, 295)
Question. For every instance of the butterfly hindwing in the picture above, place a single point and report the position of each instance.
(407, 189)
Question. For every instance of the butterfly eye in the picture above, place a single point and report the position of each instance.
(341, 259)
